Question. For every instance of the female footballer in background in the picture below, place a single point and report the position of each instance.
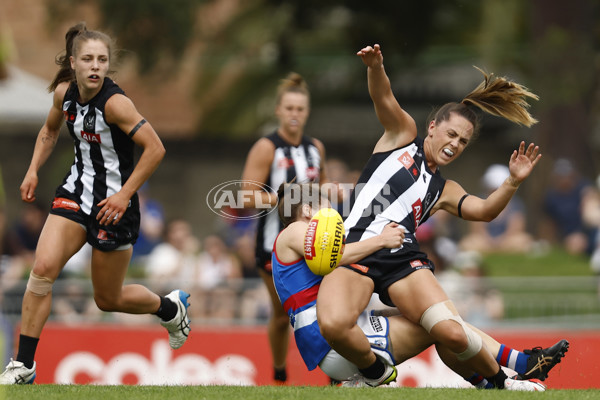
(282, 156)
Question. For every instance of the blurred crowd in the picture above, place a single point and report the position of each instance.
(219, 269)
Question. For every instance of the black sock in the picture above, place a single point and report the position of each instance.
(280, 374)
(27, 347)
(374, 371)
(167, 310)
(498, 379)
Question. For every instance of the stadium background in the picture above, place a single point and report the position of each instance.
(204, 72)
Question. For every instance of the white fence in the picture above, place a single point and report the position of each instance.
(559, 302)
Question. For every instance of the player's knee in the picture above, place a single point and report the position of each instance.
(105, 303)
(451, 331)
(444, 326)
(39, 285)
(335, 327)
(452, 335)
(474, 344)
(282, 322)
(328, 331)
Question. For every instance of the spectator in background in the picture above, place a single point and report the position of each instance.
(21, 239)
(464, 282)
(19, 246)
(216, 264)
(152, 226)
(436, 238)
(338, 185)
(175, 259)
(563, 222)
(254, 298)
(591, 218)
(243, 248)
(218, 275)
(508, 231)
(2, 217)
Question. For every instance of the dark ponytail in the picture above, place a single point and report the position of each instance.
(65, 73)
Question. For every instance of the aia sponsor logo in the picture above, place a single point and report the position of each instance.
(417, 208)
(416, 264)
(227, 199)
(91, 137)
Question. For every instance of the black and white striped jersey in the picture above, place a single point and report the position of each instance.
(395, 186)
(104, 157)
(302, 162)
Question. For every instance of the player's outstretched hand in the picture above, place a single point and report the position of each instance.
(371, 56)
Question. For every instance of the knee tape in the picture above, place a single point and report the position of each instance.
(39, 285)
(440, 312)
(437, 313)
(474, 346)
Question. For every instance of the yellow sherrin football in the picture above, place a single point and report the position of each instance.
(324, 241)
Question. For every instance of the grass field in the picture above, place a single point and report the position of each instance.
(554, 262)
(72, 392)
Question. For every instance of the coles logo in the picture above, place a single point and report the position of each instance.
(161, 368)
(227, 199)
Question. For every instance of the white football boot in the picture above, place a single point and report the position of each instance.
(524, 386)
(17, 374)
(179, 326)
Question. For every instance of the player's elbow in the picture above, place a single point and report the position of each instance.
(160, 152)
(487, 217)
(483, 215)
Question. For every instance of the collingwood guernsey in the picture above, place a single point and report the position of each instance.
(103, 152)
(300, 164)
(395, 186)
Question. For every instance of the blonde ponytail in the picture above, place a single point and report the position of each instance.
(503, 98)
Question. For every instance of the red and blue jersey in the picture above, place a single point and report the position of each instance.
(297, 288)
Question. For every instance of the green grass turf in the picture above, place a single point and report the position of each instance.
(555, 262)
(69, 392)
